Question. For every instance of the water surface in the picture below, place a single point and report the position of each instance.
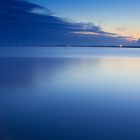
(71, 98)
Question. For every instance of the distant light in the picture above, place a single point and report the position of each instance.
(121, 46)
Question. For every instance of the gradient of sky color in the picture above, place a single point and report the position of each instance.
(120, 16)
(74, 22)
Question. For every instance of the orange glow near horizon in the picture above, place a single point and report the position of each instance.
(129, 38)
(133, 34)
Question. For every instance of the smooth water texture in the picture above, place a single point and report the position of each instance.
(70, 98)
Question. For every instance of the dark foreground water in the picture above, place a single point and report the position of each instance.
(70, 98)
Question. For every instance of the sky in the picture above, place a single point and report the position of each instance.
(77, 22)
(120, 16)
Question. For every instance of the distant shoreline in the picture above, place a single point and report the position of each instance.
(89, 51)
(81, 46)
(70, 46)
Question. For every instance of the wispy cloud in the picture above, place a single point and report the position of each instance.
(122, 29)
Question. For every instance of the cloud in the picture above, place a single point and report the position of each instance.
(122, 29)
(23, 23)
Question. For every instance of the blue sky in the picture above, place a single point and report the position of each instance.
(61, 22)
(120, 16)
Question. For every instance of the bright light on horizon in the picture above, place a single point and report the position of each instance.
(121, 46)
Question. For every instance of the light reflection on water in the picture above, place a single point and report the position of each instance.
(70, 98)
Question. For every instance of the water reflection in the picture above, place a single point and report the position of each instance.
(69, 98)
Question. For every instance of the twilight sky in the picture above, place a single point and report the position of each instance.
(120, 16)
(79, 22)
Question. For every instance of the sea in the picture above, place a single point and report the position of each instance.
(67, 93)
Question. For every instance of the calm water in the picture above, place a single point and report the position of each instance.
(71, 98)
